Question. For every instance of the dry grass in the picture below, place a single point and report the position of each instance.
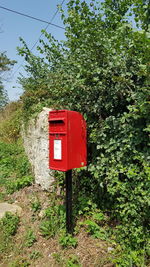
(89, 252)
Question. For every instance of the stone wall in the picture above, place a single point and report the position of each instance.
(36, 145)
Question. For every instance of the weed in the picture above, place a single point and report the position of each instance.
(23, 165)
(35, 205)
(98, 217)
(2, 196)
(10, 122)
(35, 255)
(54, 220)
(58, 258)
(84, 205)
(21, 262)
(30, 238)
(8, 227)
(87, 208)
(73, 261)
(67, 240)
(47, 228)
(95, 230)
(14, 167)
(12, 186)
(128, 257)
(103, 261)
(9, 224)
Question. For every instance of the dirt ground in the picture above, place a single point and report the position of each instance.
(89, 252)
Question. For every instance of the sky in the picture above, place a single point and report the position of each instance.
(13, 26)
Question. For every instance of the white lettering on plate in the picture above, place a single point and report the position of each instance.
(57, 149)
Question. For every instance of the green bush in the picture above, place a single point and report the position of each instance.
(102, 70)
(130, 257)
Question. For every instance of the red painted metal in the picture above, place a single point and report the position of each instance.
(67, 140)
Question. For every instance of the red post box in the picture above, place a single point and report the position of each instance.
(67, 137)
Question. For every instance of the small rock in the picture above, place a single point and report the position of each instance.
(109, 249)
(6, 207)
(41, 213)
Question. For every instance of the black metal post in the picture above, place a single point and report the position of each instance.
(69, 201)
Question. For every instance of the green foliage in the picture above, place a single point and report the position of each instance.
(95, 230)
(35, 255)
(99, 216)
(14, 167)
(67, 240)
(21, 262)
(9, 224)
(47, 228)
(30, 238)
(13, 186)
(84, 205)
(10, 122)
(8, 227)
(58, 258)
(59, 180)
(130, 258)
(102, 70)
(54, 220)
(5, 62)
(35, 205)
(73, 261)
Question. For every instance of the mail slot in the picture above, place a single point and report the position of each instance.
(67, 140)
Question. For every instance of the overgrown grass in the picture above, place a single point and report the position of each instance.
(54, 220)
(10, 122)
(15, 170)
(8, 227)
